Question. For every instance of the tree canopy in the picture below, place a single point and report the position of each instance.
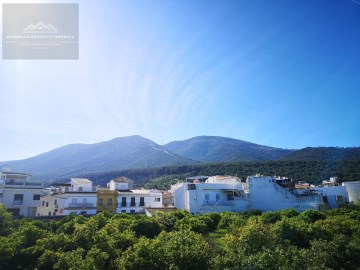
(283, 239)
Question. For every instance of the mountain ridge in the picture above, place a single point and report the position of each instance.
(137, 152)
(215, 148)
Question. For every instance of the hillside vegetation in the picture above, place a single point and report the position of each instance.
(220, 149)
(177, 240)
(310, 171)
(325, 153)
(136, 152)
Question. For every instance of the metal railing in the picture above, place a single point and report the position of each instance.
(27, 184)
(80, 205)
(18, 202)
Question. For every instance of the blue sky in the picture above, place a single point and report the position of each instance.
(278, 73)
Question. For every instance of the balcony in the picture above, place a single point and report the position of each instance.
(23, 184)
(79, 189)
(18, 202)
(80, 205)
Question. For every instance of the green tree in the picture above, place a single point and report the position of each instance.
(182, 250)
(5, 221)
(145, 226)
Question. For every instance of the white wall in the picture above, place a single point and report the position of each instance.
(332, 193)
(208, 198)
(81, 184)
(353, 189)
(266, 195)
(113, 185)
(28, 206)
(152, 199)
(50, 205)
(62, 204)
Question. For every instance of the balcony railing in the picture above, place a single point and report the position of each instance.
(18, 202)
(26, 184)
(80, 205)
(71, 189)
(131, 204)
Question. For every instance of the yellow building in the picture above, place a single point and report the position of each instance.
(106, 200)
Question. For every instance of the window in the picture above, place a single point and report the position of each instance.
(217, 197)
(47, 204)
(123, 201)
(36, 197)
(55, 202)
(207, 196)
(43, 203)
(74, 200)
(123, 211)
(339, 198)
(101, 202)
(142, 202)
(84, 200)
(230, 196)
(18, 199)
(132, 211)
(109, 202)
(132, 202)
(191, 187)
(157, 199)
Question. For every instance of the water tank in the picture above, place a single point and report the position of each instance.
(353, 189)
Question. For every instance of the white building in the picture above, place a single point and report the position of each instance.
(78, 197)
(216, 194)
(18, 194)
(136, 200)
(333, 196)
(331, 182)
(353, 189)
(270, 194)
(121, 183)
(81, 184)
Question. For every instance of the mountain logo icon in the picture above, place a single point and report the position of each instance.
(40, 28)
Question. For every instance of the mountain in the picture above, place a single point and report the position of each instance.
(325, 153)
(221, 149)
(117, 154)
(136, 152)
